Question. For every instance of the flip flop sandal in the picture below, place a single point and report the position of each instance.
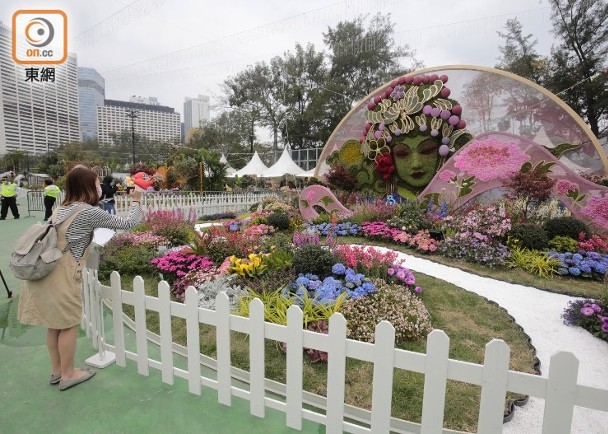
(65, 385)
(55, 379)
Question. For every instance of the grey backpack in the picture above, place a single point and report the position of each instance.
(35, 252)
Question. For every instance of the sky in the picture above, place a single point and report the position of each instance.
(171, 49)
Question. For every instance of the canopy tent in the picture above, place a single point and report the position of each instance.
(283, 166)
(230, 171)
(255, 167)
(308, 174)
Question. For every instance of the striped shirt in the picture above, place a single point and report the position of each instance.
(80, 232)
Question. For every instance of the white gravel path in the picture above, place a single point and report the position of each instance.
(539, 313)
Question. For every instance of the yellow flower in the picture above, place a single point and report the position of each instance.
(350, 153)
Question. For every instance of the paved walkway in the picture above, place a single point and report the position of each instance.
(117, 400)
(538, 312)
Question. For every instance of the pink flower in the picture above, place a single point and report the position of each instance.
(447, 175)
(490, 159)
(563, 186)
(597, 211)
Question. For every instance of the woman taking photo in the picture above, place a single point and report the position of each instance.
(55, 301)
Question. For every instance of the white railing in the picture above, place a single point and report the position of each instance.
(205, 203)
(559, 389)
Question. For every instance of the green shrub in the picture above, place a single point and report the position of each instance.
(131, 260)
(565, 226)
(402, 309)
(412, 217)
(313, 259)
(563, 244)
(533, 261)
(528, 236)
(279, 220)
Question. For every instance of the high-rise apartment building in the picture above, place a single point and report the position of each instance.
(196, 114)
(91, 94)
(155, 122)
(36, 117)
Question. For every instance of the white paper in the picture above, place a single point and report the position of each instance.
(102, 235)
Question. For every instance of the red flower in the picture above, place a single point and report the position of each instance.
(385, 166)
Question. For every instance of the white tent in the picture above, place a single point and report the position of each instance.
(255, 167)
(283, 166)
(230, 171)
(308, 174)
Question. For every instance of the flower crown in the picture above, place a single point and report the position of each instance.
(412, 104)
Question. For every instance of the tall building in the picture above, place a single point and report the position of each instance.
(155, 122)
(91, 94)
(196, 112)
(36, 117)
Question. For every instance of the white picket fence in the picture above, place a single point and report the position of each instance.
(205, 203)
(559, 389)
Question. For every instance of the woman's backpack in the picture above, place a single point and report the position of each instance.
(35, 252)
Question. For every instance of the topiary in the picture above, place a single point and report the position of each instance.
(279, 220)
(563, 244)
(565, 226)
(528, 236)
(313, 259)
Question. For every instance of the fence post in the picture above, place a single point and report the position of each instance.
(336, 373)
(295, 360)
(119, 336)
(166, 336)
(193, 341)
(435, 381)
(384, 363)
(494, 388)
(222, 339)
(561, 393)
(257, 406)
(141, 339)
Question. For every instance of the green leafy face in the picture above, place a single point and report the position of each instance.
(416, 159)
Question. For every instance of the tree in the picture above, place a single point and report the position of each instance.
(581, 28)
(360, 61)
(226, 133)
(519, 56)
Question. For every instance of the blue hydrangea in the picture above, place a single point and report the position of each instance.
(338, 269)
(574, 271)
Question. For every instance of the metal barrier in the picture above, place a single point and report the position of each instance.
(35, 201)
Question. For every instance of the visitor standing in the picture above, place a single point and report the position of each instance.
(51, 193)
(55, 301)
(8, 190)
(108, 189)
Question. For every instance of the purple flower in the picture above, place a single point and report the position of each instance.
(605, 327)
(417, 290)
(390, 271)
(587, 310)
(401, 275)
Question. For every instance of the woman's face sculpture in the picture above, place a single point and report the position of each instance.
(416, 159)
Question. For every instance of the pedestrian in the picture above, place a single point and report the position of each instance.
(51, 193)
(8, 191)
(108, 189)
(55, 301)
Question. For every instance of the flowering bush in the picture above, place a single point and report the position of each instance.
(258, 230)
(193, 278)
(597, 210)
(422, 241)
(234, 225)
(474, 247)
(130, 238)
(306, 237)
(370, 260)
(343, 280)
(490, 221)
(252, 266)
(174, 225)
(339, 229)
(585, 264)
(412, 216)
(178, 263)
(218, 243)
(374, 210)
(595, 243)
(378, 231)
(589, 315)
(402, 309)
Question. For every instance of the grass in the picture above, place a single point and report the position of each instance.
(555, 283)
(469, 320)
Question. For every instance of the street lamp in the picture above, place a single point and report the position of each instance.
(132, 113)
